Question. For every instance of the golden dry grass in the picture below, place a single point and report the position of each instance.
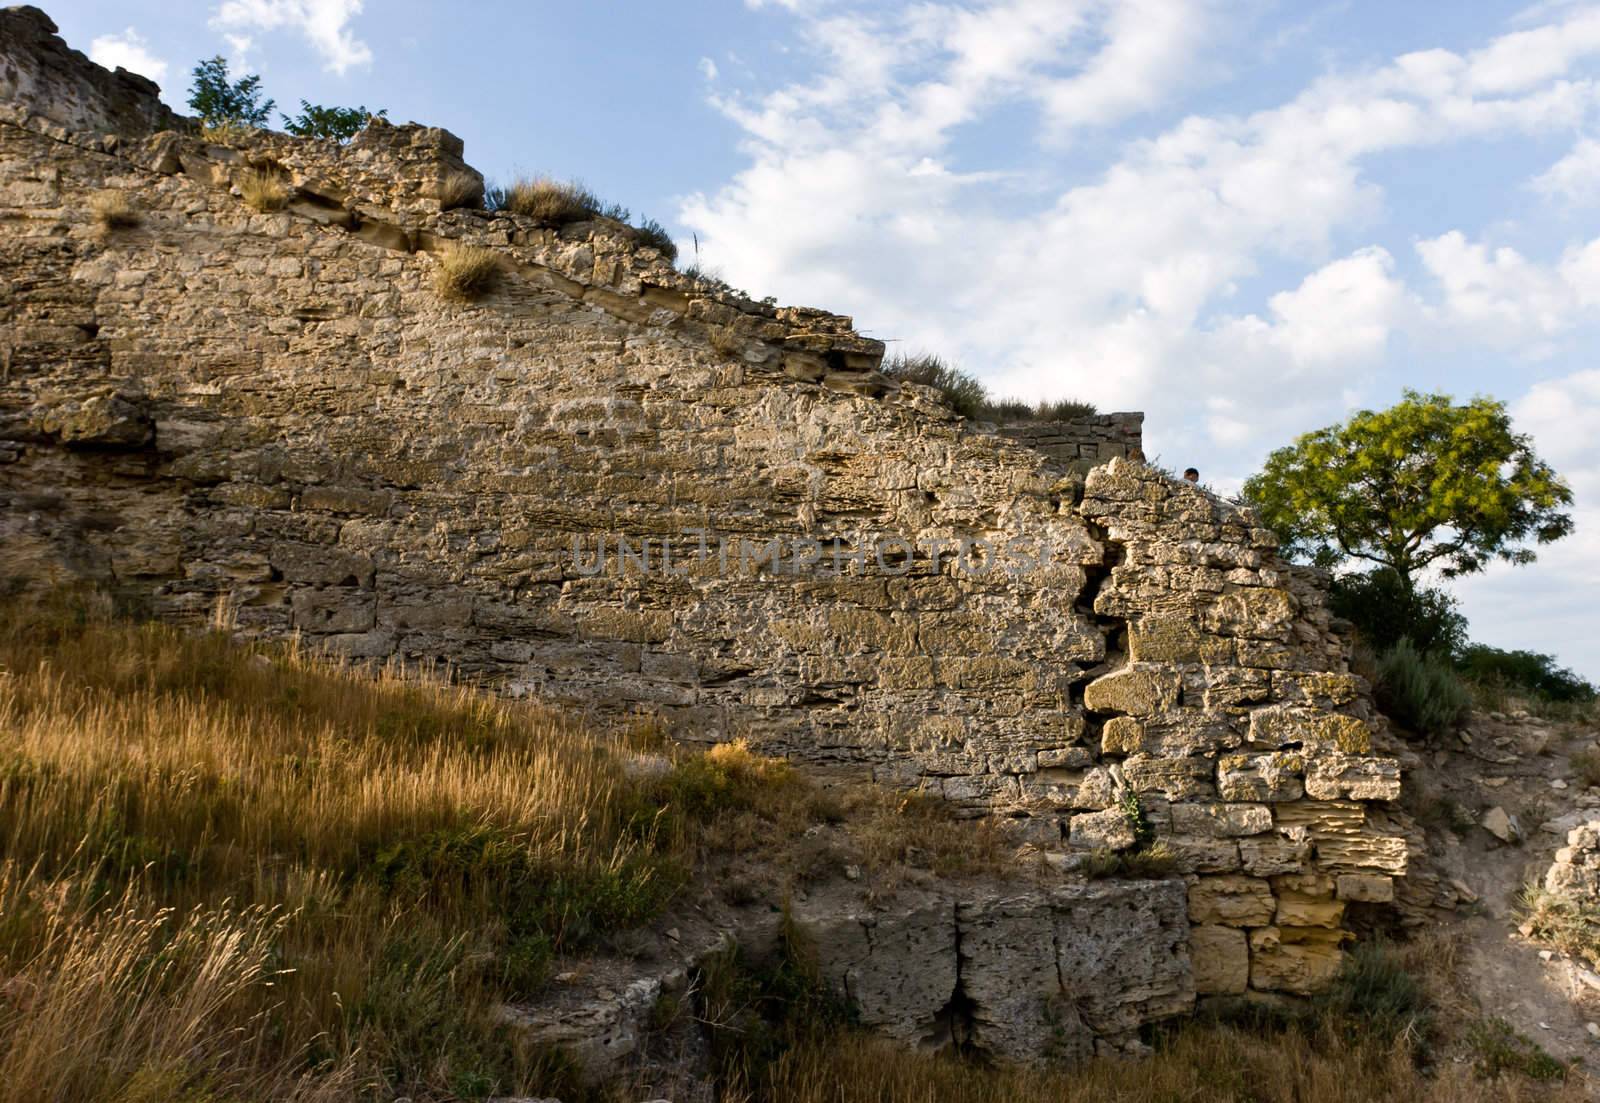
(554, 201)
(247, 872)
(459, 189)
(466, 273)
(264, 190)
(113, 210)
(1199, 1065)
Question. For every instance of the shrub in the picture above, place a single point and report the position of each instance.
(264, 190)
(551, 201)
(655, 236)
(1571, 926)
(1374, 993)
(1586, 763)
(1385, 611)
(969, 398)
(113, 211)
(338, 124)
(466, 273)
(459, 189)
(1420, 691)
(963, 392)
(1524, 671)
(1501, 1048)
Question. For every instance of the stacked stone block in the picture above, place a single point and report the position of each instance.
(274, 414)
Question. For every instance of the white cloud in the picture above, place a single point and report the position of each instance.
(1575, 179)
(1549, 607)
(1125, 282)
(1500, 296)
(129, 50)
(323, 23)
(1111, 288)
(708, 68)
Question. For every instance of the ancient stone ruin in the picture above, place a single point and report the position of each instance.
(611, 484)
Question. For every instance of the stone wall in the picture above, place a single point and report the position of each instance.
(1084, 442)
(609, 484)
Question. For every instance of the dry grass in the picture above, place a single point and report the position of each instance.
(241, 872)
(113, 210)
(466, 273)
(264, 190)
(459, 189)
(556, 202)
(1568, 925)
(1199, 1065)
(1586, 764)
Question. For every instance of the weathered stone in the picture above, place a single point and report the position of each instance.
(1136, 691)
(1108, 829)
(1365, 887)
(1220, 957)
(1502, 825)
(1232, 901)
(1339, 776)
(1312, 730)
(1298, 960)
(1157, 639)
(1270, 855)
(1261, 777)
(1221, 820)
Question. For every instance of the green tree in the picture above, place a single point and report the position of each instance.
(219, 100)
(338, 123)
(1425, 483)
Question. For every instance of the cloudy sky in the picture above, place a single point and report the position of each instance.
(1246, 218)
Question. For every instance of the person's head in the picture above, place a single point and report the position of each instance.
(1191, 474)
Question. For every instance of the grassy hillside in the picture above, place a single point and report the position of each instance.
(234, 873)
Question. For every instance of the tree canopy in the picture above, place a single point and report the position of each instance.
(217, 99)
(1425, 483)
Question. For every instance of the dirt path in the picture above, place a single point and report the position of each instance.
(1522, 767)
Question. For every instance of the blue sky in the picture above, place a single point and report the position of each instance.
(1246, 218)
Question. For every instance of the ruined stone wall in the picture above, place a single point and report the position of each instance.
(1084, 442)
(276, 414)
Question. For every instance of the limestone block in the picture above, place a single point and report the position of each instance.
(1136, 691)
(345, 499)
(1297, 960)
(103, 421)
(1221, 820)
(1255, 613)
(1220, 957)
(1331, 776)
(1232, 901)
(334, 609)
(1107, 829)
(1317, 688)
(322, 566)
(1366, 887)
(1177, 779)
(1312, 730)
(1261, 777)
(1201, 854)
(1161, 639)
(1121, 735)
(1301, 910)
(1069, 757)
(1271, 855)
